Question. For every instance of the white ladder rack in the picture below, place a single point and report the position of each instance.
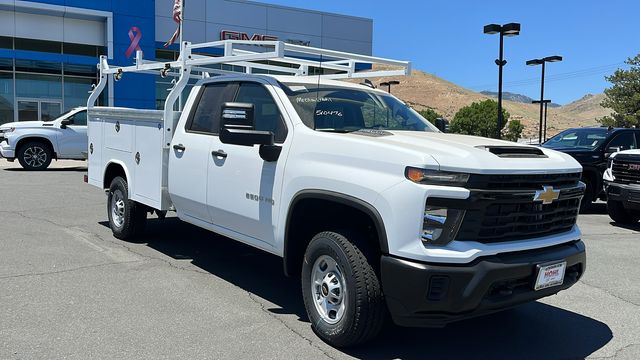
(287, 59)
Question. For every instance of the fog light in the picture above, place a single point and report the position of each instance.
(440, 225)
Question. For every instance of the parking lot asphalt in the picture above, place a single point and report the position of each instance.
(69, 289)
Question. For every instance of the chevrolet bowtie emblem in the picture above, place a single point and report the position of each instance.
(547, 195)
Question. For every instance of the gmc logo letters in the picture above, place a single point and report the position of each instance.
(237, 35)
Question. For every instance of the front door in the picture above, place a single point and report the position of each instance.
(189, 154)
(243, 191)
(73, 140)
(38, 109)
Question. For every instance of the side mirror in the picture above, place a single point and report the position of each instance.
(442, 125)
(64, 123)
(237, 126)
(611, 150)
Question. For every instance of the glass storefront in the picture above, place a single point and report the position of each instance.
(41, 90)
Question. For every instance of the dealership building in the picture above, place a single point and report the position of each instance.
(49, 48)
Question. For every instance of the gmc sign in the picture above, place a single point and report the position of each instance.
(237, 35)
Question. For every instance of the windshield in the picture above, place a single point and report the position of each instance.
(587, 139)
(343, 109)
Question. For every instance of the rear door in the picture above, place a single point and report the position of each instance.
(73, 140)
(243, 191)
(189, 153)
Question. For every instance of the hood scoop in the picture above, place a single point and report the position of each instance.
(514, 151)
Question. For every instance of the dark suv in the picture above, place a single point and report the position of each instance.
(592, 147)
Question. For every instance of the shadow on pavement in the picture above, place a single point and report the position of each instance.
(51, 169)
(531, 331)
(632, 227)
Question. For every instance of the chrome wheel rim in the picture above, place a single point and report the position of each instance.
(117, 208)
(328, 289)
(35, 156)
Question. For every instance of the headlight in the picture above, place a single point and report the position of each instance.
(440, 224)
(435, 177)
(7, 130)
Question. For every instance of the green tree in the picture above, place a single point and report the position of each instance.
(479, 118)
(514, 130)
(624, 96)
(430, 115)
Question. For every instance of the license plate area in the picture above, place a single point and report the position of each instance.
(550, 274)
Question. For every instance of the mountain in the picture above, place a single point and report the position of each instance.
(422, 90)
(514, 97)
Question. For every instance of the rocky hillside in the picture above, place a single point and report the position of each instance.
(422, 90)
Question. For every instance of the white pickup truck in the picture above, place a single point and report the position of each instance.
(622, 186)
(369, 204)
(36, 143)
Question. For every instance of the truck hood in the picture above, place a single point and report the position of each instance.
(26, 124)
(466, 153)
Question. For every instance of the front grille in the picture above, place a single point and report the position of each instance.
(522, 182)
(626, 169)
(501, 207)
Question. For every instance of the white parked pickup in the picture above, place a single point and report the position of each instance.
(36, 143)
(369, 204)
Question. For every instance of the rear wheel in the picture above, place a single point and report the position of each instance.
(619, 214)
(35, 155)
(127, 218)
(341, 291)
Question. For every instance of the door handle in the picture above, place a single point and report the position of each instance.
(219, 153)
(179, 147)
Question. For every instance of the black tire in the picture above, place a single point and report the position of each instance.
(587, 199)
(619, 214)
(364, 313)
(133, 216)
(35, 155)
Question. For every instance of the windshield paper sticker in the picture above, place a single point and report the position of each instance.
(329, 113)
(300, 99)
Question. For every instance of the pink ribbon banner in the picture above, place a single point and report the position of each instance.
(135, 35)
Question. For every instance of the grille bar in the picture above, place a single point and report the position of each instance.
(625, 169)
(501, 207)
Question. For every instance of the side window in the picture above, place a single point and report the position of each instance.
(267, 115)
(206, 118)
(624, 141)
(79, 119)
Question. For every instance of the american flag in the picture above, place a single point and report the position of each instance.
(178, 8)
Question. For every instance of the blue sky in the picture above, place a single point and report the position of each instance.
(445, 38)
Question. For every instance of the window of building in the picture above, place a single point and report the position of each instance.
(76, 91)
(6, 97)
(38, 86)
(82, 49)
(6, 42)
(38, 66)
(38, 45)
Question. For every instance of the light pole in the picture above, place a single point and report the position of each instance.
(542, 62)
(546, 103)
(389, 83)
(510, 29)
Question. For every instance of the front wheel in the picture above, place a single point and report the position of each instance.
(35, 155)
(341, 291)
(127, 218)
(619, 214)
